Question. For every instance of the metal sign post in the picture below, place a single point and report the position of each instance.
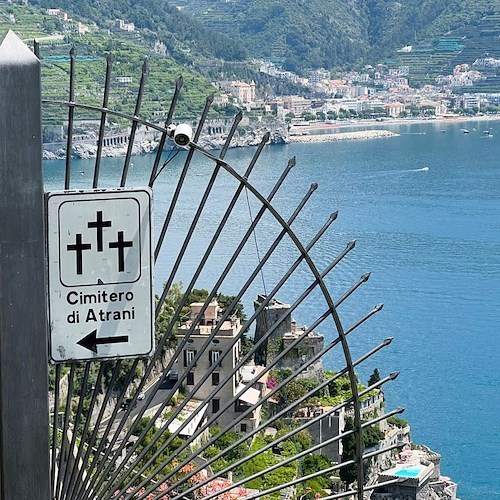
(100, 274)
(24, 415)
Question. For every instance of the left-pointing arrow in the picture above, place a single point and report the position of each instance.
(91, 341)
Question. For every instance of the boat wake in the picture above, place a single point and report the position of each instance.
(397, 172)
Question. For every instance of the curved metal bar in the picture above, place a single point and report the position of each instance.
(335, 317)
(182, 177)
(72, 105)
(277, 389)
(168, 121)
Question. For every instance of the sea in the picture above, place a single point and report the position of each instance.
(424, 211)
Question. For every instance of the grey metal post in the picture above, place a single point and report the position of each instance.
(24, 428)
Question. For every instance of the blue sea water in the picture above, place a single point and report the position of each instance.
(424, 209)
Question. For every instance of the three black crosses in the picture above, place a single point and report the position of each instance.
(99, 224)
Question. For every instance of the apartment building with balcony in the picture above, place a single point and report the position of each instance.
(218, 357)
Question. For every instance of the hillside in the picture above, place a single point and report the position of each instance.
(129, 53)
(158, 21)
(219, 38)
(334, 33)
(300, 34)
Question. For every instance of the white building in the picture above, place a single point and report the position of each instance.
(124, 26)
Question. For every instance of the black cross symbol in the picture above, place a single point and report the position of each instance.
(99, 224)
(79, 247)
(120, 244)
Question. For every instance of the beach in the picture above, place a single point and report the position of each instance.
(319, 131)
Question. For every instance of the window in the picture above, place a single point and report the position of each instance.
(189, 355)
(215, 405)
(243, 427)
(190, 378)
(215, 378)
(240, 406)
(213, 357)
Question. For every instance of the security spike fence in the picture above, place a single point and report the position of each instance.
(103, 447)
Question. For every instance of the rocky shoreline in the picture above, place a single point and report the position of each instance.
(87, 148)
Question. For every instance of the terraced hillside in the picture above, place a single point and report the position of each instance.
(461, 46)
(129, 52)
(333, 33)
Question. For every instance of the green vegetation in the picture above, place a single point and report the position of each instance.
(182, 35)
(397, 421)
(129, 52)
(219, 39)
(374, 377)
(158, 442)
(329, 34)
(372, 435)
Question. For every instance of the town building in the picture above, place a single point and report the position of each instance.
(243, 92)
(219, 357)
(124, 26)
(82, 29)
(59, 13)
(276, 331)
(394, 109)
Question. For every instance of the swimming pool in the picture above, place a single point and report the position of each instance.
(409, 472)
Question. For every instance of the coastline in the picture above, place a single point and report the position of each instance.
(368, 123)
(360, 129)
(370, 129)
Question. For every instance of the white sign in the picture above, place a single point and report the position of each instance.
(100, 274)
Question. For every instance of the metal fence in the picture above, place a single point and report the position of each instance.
(101, 444)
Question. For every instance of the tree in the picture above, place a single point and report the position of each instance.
(348, 473)
(315, 463)
(372, 435)
(374, 377)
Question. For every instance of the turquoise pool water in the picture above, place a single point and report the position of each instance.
(410, 472)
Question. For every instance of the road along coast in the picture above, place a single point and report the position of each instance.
(343, 136)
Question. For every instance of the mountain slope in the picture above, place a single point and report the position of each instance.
(181, 34)
(331, 33)
(301, 34)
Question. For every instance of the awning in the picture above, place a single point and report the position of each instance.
(250, 395)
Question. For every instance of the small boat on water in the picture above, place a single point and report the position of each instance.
(464, 130)
(487, 133)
